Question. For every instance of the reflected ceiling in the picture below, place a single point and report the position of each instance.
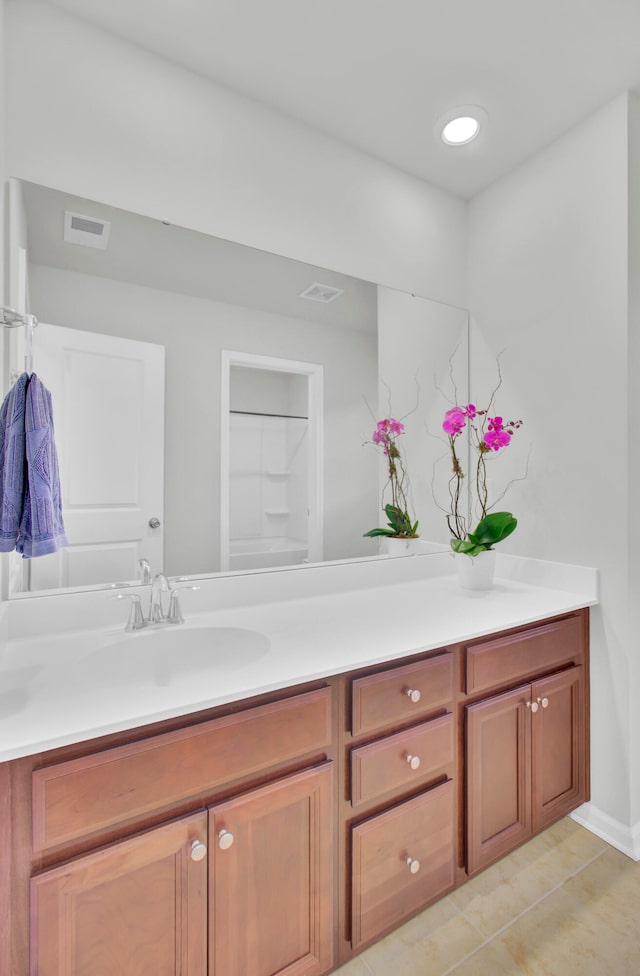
(146, 252)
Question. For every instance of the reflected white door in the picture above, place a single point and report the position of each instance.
(108, 406)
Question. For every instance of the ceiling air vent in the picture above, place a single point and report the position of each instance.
(321, 293)
(89, 231)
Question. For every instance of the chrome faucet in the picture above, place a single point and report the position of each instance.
(156, 615)
(145, 571)
(159, 586)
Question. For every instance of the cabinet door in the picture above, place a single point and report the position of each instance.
(271, 879)
(558, 746)
(135, 908)
(498, 776)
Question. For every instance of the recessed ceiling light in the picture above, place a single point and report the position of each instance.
(461, 125)
(460, 130)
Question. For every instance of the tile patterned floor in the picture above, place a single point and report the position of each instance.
(565, 904)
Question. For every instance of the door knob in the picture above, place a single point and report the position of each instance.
(154, 523)
(533, 706)
(412, 864)
(198, 850)
(543, 701)
(413, 694)
(225, 839)
(414, 761)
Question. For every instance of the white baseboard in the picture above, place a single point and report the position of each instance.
(619, 835)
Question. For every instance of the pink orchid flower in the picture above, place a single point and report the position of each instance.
(497, 438)
(454, 421)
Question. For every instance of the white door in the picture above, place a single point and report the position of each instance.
(108, 408)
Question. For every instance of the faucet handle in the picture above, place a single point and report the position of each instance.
(136, 620)
(175, 613)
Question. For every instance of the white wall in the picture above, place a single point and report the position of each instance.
(633, 371)
(194, 331)
(422, 355)
(548, 284)
(104, 119)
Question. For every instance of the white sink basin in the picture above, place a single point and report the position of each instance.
(165, 655)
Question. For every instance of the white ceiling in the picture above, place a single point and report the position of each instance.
(377, 74)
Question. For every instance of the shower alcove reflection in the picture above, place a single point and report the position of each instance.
(273, 421)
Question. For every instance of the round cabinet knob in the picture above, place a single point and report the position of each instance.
(413, 864)
(533, 706)
(225, 840)
(543, 701)
(414, 761)
(413, 694)
(198, 850)
(154, 523)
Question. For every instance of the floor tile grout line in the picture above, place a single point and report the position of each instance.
(487, 940)
(516, 918)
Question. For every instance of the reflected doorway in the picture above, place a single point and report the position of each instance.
(271, 462)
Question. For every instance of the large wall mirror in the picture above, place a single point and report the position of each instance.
(214, 403)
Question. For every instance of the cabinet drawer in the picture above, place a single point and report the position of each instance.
(517, 656)
(400, 694)
(416, 836)
(82, 796)
(405, 759)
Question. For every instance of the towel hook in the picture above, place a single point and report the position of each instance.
(13, 320)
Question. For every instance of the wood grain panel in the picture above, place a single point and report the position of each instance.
(380, 700)
(85, 795)
(384, 891)
(136, 908)
(498, 776)
(271, 891)
(5, 868)
(518, 656)
(558, 747)
(383, 766)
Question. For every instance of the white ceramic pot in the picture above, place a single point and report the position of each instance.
(392, 546)
(476, 572)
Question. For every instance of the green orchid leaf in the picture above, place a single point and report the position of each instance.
(466, 547)
(396, 517)
(372, 533)
(493, 528)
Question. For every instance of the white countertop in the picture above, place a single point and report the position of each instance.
(67, 685)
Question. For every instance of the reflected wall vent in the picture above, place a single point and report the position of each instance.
(321, 293)
(89, 231)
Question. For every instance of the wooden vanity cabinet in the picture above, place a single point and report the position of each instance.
(282, 836)
(242, 887)
(526, 748)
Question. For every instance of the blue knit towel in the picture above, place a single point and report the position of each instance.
(41, 525)
(12, 471)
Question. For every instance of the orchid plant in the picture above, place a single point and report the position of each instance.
(400, 524)
(487, 436)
